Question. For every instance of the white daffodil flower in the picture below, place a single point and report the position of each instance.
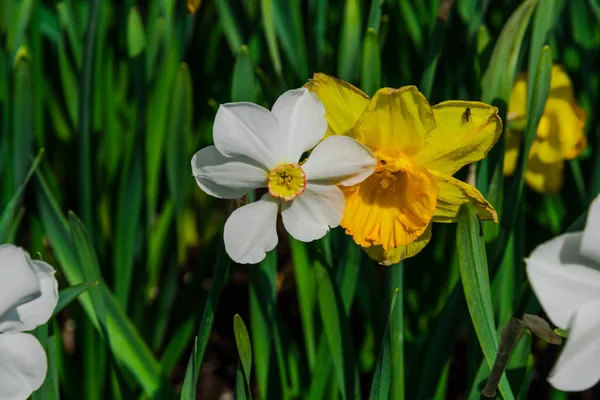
(28, 296)
(565, 275)
(256, 148)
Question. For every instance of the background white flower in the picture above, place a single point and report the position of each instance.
(256, 148)
(28, 296)
(565, 275)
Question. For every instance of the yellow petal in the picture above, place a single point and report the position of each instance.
(193, 5)
(343, 102)
(390, 211)
(569, 137)
(465, 131)
(453, 193)
(560, 84)
(544, 178)
(397, 120)
(511, 152)
(398, 254)
(517, 103)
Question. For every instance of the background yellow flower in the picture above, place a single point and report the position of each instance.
(560, 134)
(418, 148)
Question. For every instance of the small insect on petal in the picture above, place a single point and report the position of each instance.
(467, 115)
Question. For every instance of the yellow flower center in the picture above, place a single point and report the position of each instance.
(287, 181)
(392, 207)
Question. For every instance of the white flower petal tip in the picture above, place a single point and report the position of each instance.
(37, 310)
(590, 245)
(577, 367)
(19, 282)
(340, 160)
(226, 177)
(301, 117)
(23, 365)
(248, 130)
(311, 215)
(250, 231)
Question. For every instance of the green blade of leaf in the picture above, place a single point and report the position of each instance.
(335, 326)
(242, 341)
(476, 285)
(136, 37)
(188, 391)
(66, 296)
(268, 20)
(349, 42)
(380, 387)
(370, 74)
(10, 211)
(243, 86)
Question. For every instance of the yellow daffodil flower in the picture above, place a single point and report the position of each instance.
(418, 149)
(560, 134)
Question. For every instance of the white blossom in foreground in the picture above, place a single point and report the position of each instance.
(565, 275)
(28, 296)
(256, 148)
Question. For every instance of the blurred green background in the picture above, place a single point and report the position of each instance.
(121, 94)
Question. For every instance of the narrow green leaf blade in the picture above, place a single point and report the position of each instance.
(243, 86)
(350, 41)
(66, 296)
(476, 285)
(370, 77)
(242, 341)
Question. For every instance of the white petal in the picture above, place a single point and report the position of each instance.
(250, 231)
(561, 285)
(577, 367)
(301, 117)
(226, 177)
(339, 160)
(310, 215)
(19, 282)
(247, 129)
(38, 311)
(590, 245)
(23, 365)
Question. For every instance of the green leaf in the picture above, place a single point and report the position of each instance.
(476, 285)
(66, 296)
(188, 390)
(305, 284)
(229, 25)
(288, 25)
(103, 310)
(179, 131)
(242, 341)
(349, 42)
(129, 209)
(370, 77)
(411, 23)
(268, 23)
(23, 116)
(243, 86)
(380, 387)
(336, 328)
(498, 78)
(9, 213)
(375, 14)
(208, 317)
(136, 38)
(513, 198)
(68, 22)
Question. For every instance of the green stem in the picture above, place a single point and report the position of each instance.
(397, 333)
(511, 334)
